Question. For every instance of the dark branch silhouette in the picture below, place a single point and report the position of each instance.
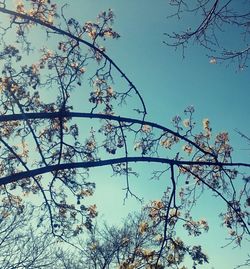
(215, 19)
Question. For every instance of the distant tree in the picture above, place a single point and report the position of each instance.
(55, 127)
(24, 244)
(139, 243)
(219, 26)
(20, 247)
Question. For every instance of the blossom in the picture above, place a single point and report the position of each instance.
(137, 146)
(110, 92)
(20, 7)
(222, 137)
(167, 143)
(182, 170)
(188, 149)
(62, 212)
(87, 192)
(74, 65)
(146, 128)
(93, 246)
(206, 127)
(186, 123)
(158, 204)
(50, 19)
(125, 241)
(91, 145)
(232, 232)
(213, 61)
(148, 254)
(158, 238)
(206, 124)
(82, 70)
(155, 208)
(204, 223)
(143, 227)
(92, 34)
(174, 212)
(92, 211)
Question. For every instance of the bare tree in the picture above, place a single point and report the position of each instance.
(24, 244)
(21, 246)
(213, 20)
(49, 141)
(138, 243)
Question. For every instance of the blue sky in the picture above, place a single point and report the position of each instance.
(163, 77)
(169, 84)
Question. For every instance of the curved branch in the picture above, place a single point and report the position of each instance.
(65, 114)
(80, 40)
(89, 164)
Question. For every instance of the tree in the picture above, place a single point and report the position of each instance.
(46, 152)
(23, 244)
(138, 243)
(133, 245)
(19, 246)
(216, 22)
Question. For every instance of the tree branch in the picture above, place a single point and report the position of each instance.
(89, 164)
(78, 39)
(65, 114)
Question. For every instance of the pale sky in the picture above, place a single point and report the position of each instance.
(169, 84)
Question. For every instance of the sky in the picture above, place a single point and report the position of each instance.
(168, 84)
(161, 74)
